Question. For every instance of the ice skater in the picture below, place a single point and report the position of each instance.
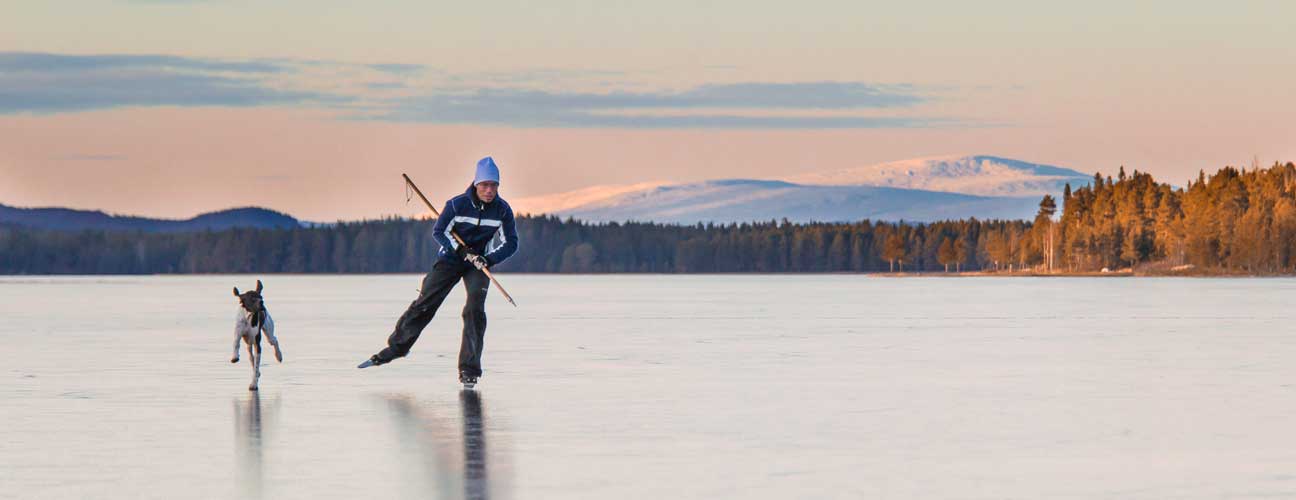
(483, 221)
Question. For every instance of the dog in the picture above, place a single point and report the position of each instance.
(253, 320)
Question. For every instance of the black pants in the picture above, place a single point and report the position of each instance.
(436, 285)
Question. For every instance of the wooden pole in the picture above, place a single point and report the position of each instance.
(458, 239)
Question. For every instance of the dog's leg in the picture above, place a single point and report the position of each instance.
(237, 337)
(256, 366)
(268, 328)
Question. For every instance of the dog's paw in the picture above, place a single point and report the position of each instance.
(233, 360)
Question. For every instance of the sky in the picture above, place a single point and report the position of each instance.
(170, 108)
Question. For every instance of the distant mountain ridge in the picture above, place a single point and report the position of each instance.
(71, 220)
(980, 175)
(744, 200)
(918, 190)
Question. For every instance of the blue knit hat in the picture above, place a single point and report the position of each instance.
(486, 171)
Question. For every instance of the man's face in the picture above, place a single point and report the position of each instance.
(487, 190)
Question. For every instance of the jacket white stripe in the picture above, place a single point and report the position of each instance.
(490, 249)
(454, 245)
(477, 222)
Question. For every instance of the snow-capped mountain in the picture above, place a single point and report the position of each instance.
(978, 175)
(924, 189)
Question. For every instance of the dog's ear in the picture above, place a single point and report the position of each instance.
(236, 294)
(258, 286)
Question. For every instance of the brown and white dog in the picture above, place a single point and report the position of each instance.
(253, 319)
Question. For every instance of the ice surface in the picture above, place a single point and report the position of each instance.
(715, 386)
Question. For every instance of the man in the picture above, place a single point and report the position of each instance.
(484, 223)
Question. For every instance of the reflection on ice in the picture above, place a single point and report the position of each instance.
(449, 458)
(474, 446)
(249, 439)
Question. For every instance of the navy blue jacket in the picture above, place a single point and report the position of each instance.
(478, 224)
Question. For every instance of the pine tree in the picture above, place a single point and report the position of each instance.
(894, 249)
(946, 255)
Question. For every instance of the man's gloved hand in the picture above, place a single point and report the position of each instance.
(477, 261)
(472, 257)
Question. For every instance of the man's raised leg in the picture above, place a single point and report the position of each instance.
(436, 285)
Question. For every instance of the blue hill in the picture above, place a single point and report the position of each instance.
(73, 220)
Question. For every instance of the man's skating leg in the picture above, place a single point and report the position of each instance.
(474, 330)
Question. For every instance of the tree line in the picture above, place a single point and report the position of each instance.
(548, 245)
(1234, 220)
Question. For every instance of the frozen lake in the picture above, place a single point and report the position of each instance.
(657, 387)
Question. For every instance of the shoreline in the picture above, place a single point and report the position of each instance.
(1120, 273)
